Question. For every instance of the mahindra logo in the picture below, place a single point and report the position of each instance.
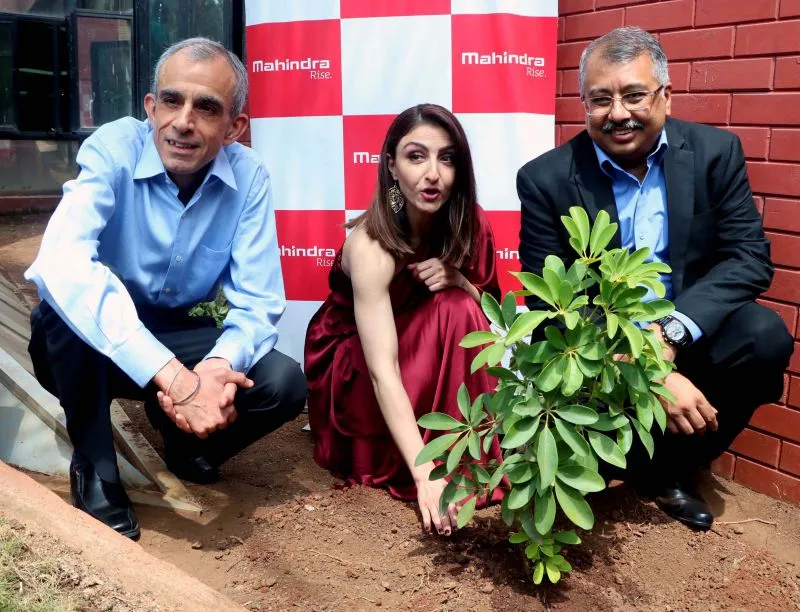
(523, 59)
(278, 65)
(507, 254)
(363, 157)
(314, 251)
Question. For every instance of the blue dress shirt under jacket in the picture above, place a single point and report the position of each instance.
(642, 212)
(120, 237)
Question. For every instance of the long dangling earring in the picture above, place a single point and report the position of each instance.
(396, 199)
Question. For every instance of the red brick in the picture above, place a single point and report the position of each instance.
(557, 137)
(703, 108)
(755, 141)
(774, 178)
(778, 420)
(790, 458)
(570, 109)
(561, 25)
(592, 25)
(767, 38)
(789, 8)
(724, 465)
(787, 313)
(767, 480)
(784, 399)
(568, 55)
(759, 202)
(785, 286)
(785, 145)
(569, 131)
(787, 72)
(679, 76)
(569, 84)
(567, 7)
(711, 12)
(755, 73)
(667, 15)
(782, 214)
(610, 3)
(692, 44)
(794, 385)
(785, 249)
(559, 81)
(766, 109)
(758, 446)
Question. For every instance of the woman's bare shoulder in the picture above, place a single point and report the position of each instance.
(363, 255)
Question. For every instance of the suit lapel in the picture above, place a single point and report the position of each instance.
(594, 187)
(679, 178)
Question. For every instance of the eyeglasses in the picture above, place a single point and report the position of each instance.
(599, 106)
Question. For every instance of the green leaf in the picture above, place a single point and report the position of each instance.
(439, 421)
(436, 447)
(536, 285)
(574, 506)
(478, 338)
(561, 563)
(538, 573)
(660, 308)
(492, 309)
(474, 445)
(544, 512)
(519, 538)
(580, 226)
(634, 336)
(506, 513)
(606, 422)
(497, 476)
(520, 432)
(634, 376)
(555, 338)
(466, 512)
(532, 551)
(547, 457)
(487, 441)
(553, 283)
(521, 473)
(571, 319)
(521, 495)
(606, 449)
(552, 374)
(660, 416)
(572, 438)
(565, 293)
(502, 373)
(645, 437)
(580, 478)
(509, 309)
(644, 413)
(439, 472)
(573, 378)
(491, 355)
(464, 403)
(602, 233)
(625, 438)
(612, 323)
(524, 325)
(567, 537)
(455, 455)
(553, 573)
(579, 415)
(551, 262)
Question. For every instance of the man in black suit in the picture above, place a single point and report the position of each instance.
(680, 189)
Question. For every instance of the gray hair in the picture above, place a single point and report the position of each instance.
(203, 50)
(624, 45)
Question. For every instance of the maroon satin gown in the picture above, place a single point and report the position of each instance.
(351, 438)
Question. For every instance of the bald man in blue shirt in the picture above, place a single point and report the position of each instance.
(162, 214)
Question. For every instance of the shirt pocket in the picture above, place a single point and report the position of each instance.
(207, 266)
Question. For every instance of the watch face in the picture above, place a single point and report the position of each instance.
(674, 330)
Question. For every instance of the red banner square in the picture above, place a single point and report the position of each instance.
(308, 242)
(505, 227)
(363, 138)
(295, 69)
(393, 8)
(504, 64)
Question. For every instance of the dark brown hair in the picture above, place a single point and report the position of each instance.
(454, 227)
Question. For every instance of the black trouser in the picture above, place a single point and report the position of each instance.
(737, 369)
(86, 381)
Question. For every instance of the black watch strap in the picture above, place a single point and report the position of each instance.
(668, 324)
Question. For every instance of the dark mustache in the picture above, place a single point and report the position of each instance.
(628, 124)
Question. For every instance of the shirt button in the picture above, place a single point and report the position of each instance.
(167, 290)
(179, 258)
(641, 236)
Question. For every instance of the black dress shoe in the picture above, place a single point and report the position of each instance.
(197, 470)
(680, 501)
(105, 501)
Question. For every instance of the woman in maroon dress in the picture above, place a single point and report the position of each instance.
(405, 289)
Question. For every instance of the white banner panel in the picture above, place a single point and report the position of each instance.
(328, 76)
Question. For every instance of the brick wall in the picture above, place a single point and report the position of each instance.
(734, 64)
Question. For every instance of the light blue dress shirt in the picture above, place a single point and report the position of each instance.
(643, 217)
(120, 237)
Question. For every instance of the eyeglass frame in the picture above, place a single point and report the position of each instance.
(650, 94)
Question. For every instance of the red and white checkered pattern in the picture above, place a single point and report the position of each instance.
(328, 76)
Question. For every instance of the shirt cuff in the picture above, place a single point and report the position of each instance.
(696, 332)
(230, 351)
(141, 356)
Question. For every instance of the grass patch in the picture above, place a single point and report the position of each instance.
(30, 581)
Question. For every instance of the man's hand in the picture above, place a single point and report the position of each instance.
(437, 275)
(212, 407)
(691, 413)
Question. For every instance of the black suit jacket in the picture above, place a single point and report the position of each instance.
(719, 255)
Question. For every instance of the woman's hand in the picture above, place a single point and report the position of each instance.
(429, 492)
(437, 275)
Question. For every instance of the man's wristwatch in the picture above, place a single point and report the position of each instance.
(674, 332)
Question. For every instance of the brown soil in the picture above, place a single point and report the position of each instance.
(280, 533)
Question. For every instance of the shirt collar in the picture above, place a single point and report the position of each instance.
(605, 161)
(150, 164)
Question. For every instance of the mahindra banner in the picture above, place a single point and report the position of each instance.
(328, 76)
